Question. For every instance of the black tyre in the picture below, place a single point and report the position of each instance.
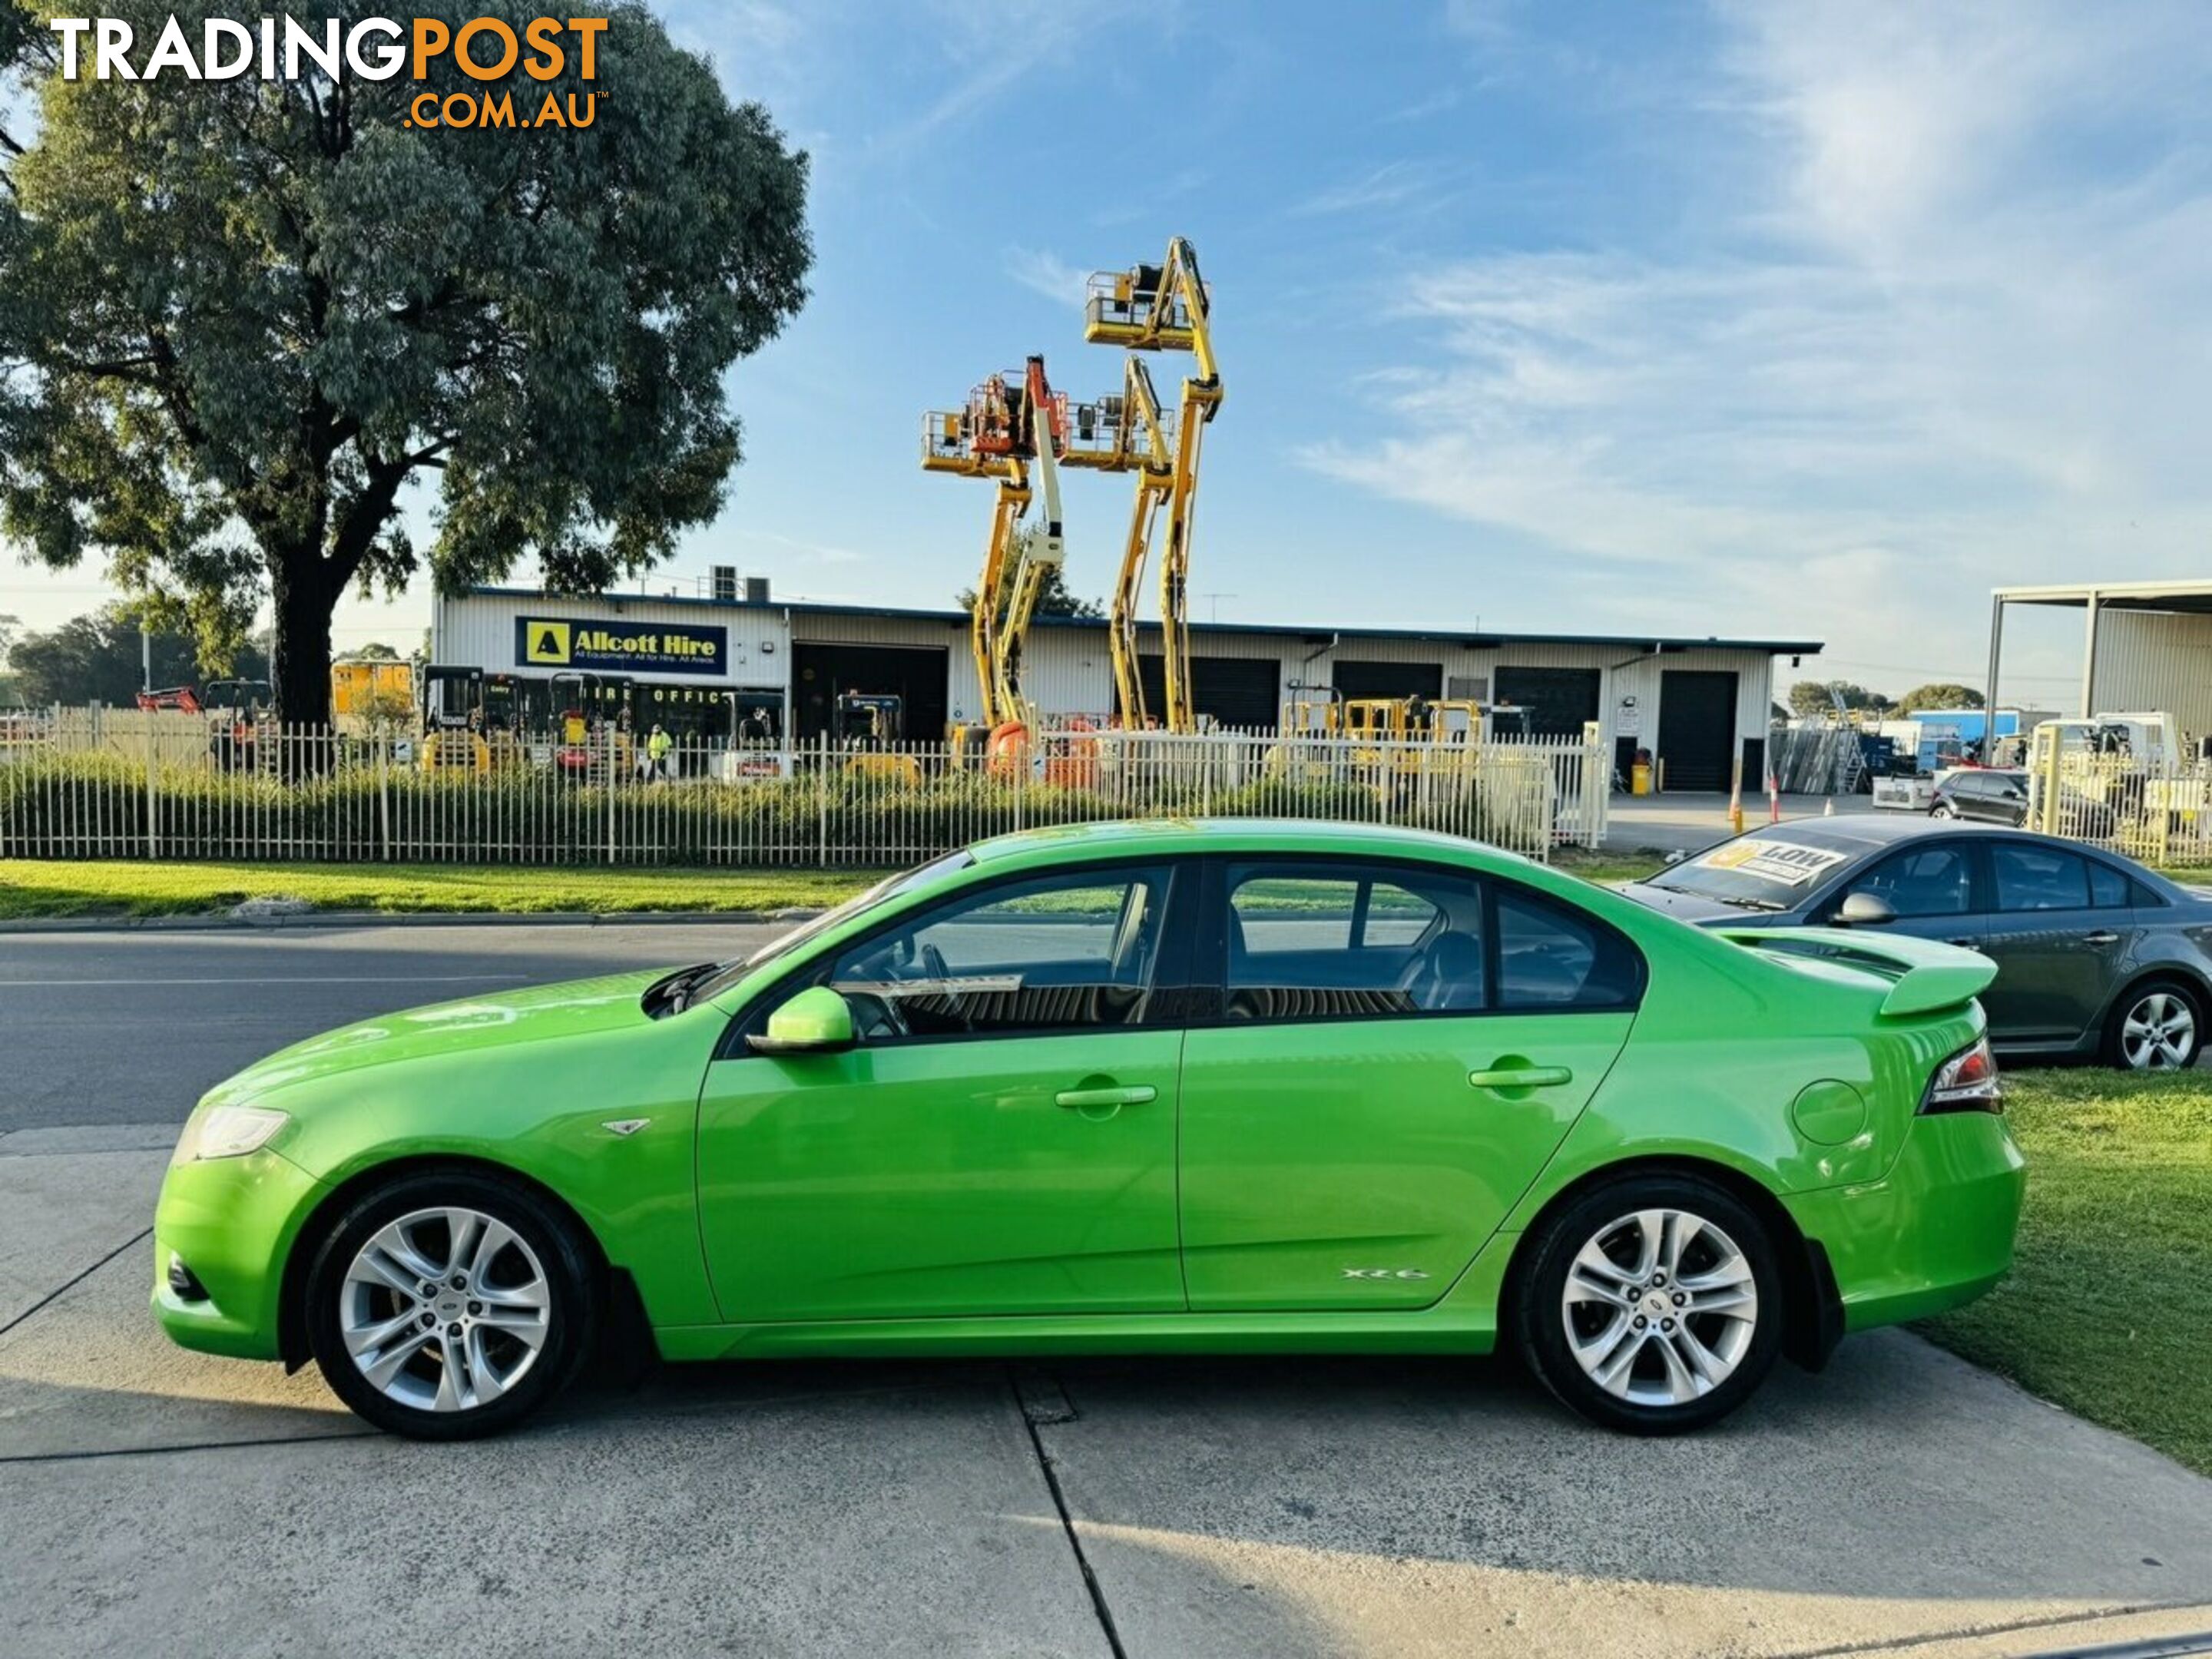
(1942, 809)
(1650, 1305)
(2156, 1026)
(449, 1304)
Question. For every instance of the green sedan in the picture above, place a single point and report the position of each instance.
(1233, 1087)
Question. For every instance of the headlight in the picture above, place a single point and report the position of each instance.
(227, 1132)
(1967, 1082)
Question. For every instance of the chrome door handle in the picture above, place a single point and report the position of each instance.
(1521, 1077)
(1136, 1095)
(2102, 936)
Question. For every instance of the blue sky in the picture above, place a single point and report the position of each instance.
(1770, 321)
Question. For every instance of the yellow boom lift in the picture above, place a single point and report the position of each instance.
(1163, 307)
(1128, 434)
(1012, 423)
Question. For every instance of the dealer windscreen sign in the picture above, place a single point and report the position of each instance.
(620, 647)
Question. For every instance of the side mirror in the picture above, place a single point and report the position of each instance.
(1865, 910)
(817, 1021)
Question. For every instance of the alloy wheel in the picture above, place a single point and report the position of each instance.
(1660, 1307)
(445, 1309)
(2158, 1033)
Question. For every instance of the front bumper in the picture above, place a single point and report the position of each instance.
(231, 1221)
(1935, 1231)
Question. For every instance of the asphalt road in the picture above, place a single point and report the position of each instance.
(132, 1027)
(156, 1501)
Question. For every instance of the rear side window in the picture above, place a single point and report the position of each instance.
(2108, 888)
(1316, 943)
(2039, 878)
(1348, 942)
(1549, 956)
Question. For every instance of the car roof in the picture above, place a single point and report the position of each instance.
(1233, 835)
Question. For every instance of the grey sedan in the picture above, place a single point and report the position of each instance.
(2096, 956)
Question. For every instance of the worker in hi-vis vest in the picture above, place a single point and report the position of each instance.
(656, 754)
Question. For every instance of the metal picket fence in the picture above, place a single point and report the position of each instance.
(73, 785)
(2155, 809)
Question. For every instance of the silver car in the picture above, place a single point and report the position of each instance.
(2096, 956)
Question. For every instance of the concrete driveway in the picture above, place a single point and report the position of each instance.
(152, 1501)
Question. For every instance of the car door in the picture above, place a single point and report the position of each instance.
(1000, 1140)
(1395, 1051)
(1962, 794)
(1933, 884)
(2008, 802)
(1987, 799)
(2058, 937)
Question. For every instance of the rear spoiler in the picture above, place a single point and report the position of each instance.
(1924, 975)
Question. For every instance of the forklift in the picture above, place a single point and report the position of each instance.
(865, 726)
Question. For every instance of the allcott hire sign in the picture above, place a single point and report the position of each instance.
(631, 649)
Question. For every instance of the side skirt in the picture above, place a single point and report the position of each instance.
(1434, 1331)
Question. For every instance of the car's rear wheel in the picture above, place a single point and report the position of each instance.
(2157, 1027)
(1651, 1304)
(449, 1304)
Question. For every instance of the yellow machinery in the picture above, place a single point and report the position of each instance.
(1164, 307)
(1012, 424)
(468, 720)
(868, 727)
(368, 692)
(1129, 433)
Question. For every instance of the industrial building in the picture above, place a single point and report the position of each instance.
(699, 664)
(2146, 646)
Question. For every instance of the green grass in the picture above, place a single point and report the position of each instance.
(35, 888)
(2108, 1311)
(1606, 868)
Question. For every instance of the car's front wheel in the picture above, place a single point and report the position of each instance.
(2157, 1027)
(1651, 1304)
(448, 1304)
(1942, 809)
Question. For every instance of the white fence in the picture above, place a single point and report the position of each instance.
(185, 787)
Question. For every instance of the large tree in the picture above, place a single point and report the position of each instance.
(238, 318)
(1811, 697)
(1940, 694)
(97, 657)
(1055, 598)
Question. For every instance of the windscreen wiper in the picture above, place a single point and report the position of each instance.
(673, 989)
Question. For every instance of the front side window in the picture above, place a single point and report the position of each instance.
(1317, 942)
(1077, 950)
(2039, 878)
(730, 973)
(1923, 881)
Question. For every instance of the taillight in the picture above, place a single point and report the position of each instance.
(1967, 1082)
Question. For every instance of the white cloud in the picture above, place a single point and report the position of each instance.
(1394, 184)
(1046, 273)
(1958, 335)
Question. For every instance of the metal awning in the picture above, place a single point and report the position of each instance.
(2184, 598)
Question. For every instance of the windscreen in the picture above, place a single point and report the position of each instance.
(1775, 869)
